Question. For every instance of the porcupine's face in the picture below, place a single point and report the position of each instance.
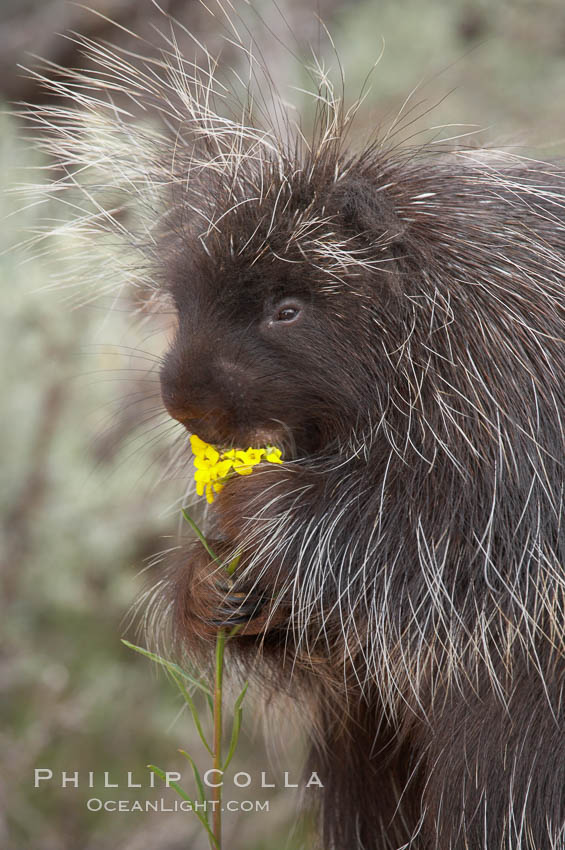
(259, 355)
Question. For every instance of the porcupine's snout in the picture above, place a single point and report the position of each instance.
(194, 392)
(211, 393)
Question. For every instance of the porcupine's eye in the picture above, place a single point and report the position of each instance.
(287, 312)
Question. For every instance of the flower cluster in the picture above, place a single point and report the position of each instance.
(213, 467)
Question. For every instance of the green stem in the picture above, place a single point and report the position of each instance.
(200, 536)
(217, 791)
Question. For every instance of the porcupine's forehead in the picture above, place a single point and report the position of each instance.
(214, 280)
(250, 256)
(305, 254)
(247, 283)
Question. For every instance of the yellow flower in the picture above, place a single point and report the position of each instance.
(212, 467)
(197, 445)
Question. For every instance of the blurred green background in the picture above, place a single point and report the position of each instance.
(86, 506)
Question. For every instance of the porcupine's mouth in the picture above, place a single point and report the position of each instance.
(304, 445)
(258, 440)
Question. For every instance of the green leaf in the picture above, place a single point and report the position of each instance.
(197, 777)
(210, 701)
(233, 565)
(201, 817)
(170, 666)
(236, 727)
(201, 537)
(194, 712)
(241, 697)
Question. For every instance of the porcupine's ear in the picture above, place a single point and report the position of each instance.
(370, 217)
(362, 210)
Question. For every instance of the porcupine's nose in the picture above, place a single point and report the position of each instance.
(194, 394)
(209, 422)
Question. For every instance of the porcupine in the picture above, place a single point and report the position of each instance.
(393, 319)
